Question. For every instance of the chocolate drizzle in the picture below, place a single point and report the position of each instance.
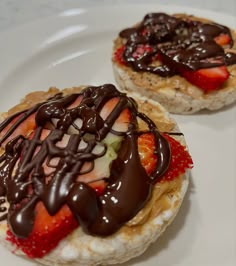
(24, 181)
(179, 43)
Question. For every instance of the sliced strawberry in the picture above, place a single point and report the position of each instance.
(93, 177)
(76, 102)
(144, 32)
(100, 170)
(77, 122)
(47, 231)
(112, 142)
(122, 122)
(98, 186)
(49, 166)
(25, 128)
(207, 79)
(223, 39)
(101, 166)
(141, 50)
(118, 55)
(180, 158)
(146, 146)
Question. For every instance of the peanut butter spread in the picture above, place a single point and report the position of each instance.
(162, 192)
(174, 83)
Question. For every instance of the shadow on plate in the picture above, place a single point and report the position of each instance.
(171, 233)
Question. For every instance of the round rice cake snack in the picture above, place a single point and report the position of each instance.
(184, 62)
(87, 178)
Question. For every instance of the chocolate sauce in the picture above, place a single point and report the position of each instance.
(24, 182)
(179, 43)
(230, 58)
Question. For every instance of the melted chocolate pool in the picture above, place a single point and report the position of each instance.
(24, 182)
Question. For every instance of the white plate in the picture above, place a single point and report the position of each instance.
(74, 48)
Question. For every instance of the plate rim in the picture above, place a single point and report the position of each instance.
(57, 16)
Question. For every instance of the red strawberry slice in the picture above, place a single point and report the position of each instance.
(98, 186)
(25, 128)
(122, 122)
(93, 178)
(101, 168)
(180, 158)
(141, 50)
(207, 79)
(223, 39)
(47, 232)
(146, 146)
(144, 32)
(118, 55)
(76, 102)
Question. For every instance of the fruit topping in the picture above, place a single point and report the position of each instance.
(168, 45)
(18, 125)
(146, 144)
(47, 231)
(180, 158)
(122, 121)
(118, 55)
(223, 39)
(142, 50)
(208, 79)
(84, 164)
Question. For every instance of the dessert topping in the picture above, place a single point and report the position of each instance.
(181, 45)
(82, 161)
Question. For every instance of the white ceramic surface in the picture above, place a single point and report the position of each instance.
(17, 12)
(74, 48)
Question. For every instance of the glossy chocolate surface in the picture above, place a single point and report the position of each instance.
(180, 43)
(24, 181)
